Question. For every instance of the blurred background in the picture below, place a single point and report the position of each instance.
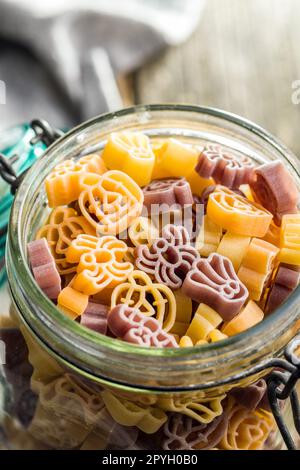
(69, 60)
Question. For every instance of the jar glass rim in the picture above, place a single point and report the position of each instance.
(63, 325)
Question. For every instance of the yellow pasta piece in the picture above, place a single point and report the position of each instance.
(290, 240)
(234, 247)
(209, 237)
(175, 159)
(112, 203)
(66, 412)
(130, 152)
(257, 266)
(186, 342)
(148, 419)
(199, 328)
(72, 398)
(201, 342)
(245, 188)
(205, 320)
(248, 317)
(58, 430)
(203, 410)
(96, 440)
(246, 429)
(179, 328)
(150, 298)
(158, 148)
(198, 184)
(209, 314)
(184, 307)
(45, 367)
(72, 302)
(216, 335)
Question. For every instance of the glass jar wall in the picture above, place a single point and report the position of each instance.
(66, 387)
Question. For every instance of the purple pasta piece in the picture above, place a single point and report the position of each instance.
(44, 268)
(276, 297)
(288, 276)
(95, 317)
(214, 282)
(39, 253)
(285, 282)
(167, 193)
(227, 169)
(181, 432)
(145, 336)
(275, 189)
(169, 258)
(251, 396)
(48, 279)
(132, 326)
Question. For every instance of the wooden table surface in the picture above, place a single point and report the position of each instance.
(243, 58)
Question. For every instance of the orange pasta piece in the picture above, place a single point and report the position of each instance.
(237, 214)
(63, 183)
(234, 247)
(248, 317)
(273, 235)
(71, 302)
(257, 266)
(290, 240)
(63, 226)
(100, 263)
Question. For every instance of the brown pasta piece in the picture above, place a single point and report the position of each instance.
(181, 432)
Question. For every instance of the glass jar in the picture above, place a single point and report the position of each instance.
(82, 390)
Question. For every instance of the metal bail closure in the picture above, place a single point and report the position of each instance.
(281, 386)
(43, 134)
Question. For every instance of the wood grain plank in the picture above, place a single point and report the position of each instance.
(244, 57)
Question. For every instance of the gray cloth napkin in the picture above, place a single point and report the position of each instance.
(60, 59)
